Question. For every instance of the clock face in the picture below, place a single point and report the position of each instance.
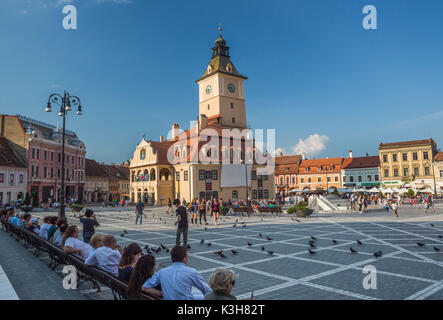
(231, 87)
(208, 89)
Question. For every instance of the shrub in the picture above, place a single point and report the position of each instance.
(411, 193)
(27, 201)
(224, 210)
(301, 206)
(291, 210)
(76, 207)
(35, 199)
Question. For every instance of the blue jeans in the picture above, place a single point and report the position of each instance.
(141, 218)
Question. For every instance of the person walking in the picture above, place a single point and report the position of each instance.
(215, 210)
(394, 207)
(169, 206)
(194, 211)
(139, 211)
(182, 223)
(202, 210)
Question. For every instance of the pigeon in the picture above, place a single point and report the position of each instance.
(359, 242)
(125, 231)
(334, 241)
(165, 222)
(234, 252)
(148, 250)
(218, 252)
(209, 244)
(234, 225)
(432, 225)
(436, 249)
(262, 248)
(146, 247)
(202, 241)
(260, 235)
(163, 247)
(297, 220)
(122, 235)
(440, 237)
(378, 254)
(244, 226)
(157, 250)
(269, 238)
(236, 220)
(312, 245)
(249, 244)
(352, 250)
(188, 247)
(311, 251)
(206, 228)
(313, 238)
(420, 244)
(160, 219)
(222, 255)
(167, 250)
(271, 252)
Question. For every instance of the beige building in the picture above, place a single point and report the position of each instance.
(97, 182)
(438, 172)
(407, 163)
(209, 160)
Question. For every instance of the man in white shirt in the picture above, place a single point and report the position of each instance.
(106, 257)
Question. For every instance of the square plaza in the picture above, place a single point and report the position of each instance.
(404, 271)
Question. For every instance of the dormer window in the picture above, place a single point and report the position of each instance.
(209, 69)
(229, 67)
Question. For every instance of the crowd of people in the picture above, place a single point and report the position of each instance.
(175, 282)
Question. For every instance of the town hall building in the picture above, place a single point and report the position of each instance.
(216, 158)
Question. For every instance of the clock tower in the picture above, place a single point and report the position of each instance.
(221, 89)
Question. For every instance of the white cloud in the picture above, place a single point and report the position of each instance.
(311, 146)
(278, 151)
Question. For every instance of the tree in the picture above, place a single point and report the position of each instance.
(27, 201)
(80, 198)
(411, 193)
(35, 202)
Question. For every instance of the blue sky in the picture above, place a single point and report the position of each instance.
(312, 68)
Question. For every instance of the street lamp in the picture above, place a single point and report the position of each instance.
(65, 104)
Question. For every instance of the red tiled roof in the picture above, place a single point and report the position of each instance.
(439, 156)
(406, 143)
(8, 156)
(295, 159)
(314, 164)
(361, 162)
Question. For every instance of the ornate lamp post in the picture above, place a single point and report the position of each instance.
(66, 103)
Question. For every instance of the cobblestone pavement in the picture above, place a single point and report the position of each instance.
(405, 271)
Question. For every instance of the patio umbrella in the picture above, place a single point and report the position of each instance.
(396, 190)
(373, 190)
(387, 191)
(361, 190)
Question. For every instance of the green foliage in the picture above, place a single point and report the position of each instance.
(411, 193)
(80, 198)
(291, 210)
(76, 207)
(301, 206)
(35, 201)
(224, 210)
(27, 201)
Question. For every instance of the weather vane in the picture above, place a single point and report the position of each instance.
(219, 27)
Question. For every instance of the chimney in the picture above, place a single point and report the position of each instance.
(281, 154)
(350, 153)
(161, 138)
(175, 130)
(203, 122)
(367, 154)
(303, 157)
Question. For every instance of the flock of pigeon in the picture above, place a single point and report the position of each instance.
(312, 244)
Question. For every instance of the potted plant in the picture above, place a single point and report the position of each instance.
(76, 207)
(303, 210)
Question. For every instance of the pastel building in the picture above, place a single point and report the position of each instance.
(360, 172)
(41, 145)
(13, 173)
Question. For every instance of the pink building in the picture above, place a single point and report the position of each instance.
(44, 155)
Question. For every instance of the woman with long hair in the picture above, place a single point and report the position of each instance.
(130, 256)
(71, 244)
(143, 270)
(215, 210)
